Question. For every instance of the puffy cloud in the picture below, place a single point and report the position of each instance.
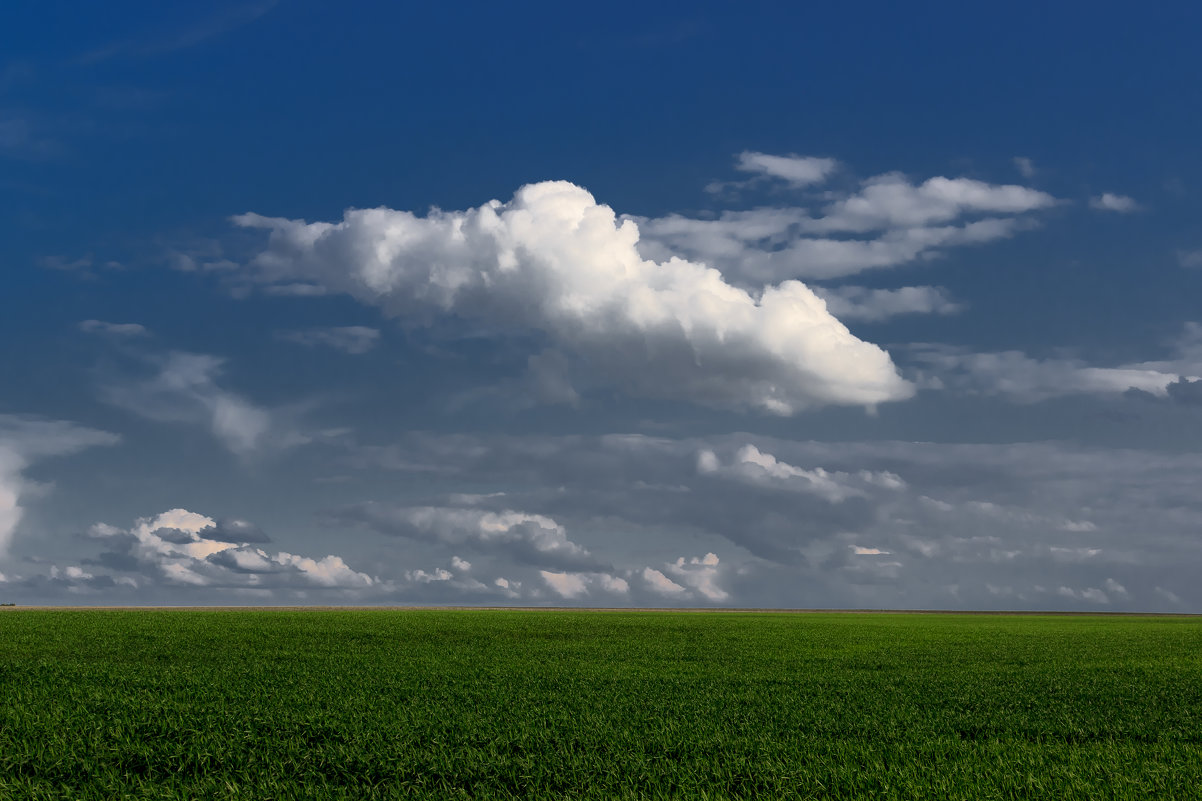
(1185, 391)
(753, 466)
(353, 339)
(528, 538)
(658, 583)
(699, 574)
(567, 585)
(184, 548)
(873, 305)
(25, 440)
(1108, 201)
(1114, 588)
(613, 583)
(553, 260)
(574, 586)
(796, 170)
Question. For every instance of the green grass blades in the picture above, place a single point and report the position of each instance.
(362, 704)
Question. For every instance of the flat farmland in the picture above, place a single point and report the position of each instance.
(360, 704)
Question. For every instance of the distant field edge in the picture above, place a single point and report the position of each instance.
(681, 610)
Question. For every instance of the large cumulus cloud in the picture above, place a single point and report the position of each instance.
(555, 262)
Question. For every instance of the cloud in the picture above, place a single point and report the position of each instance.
(183, 548)
(1190, 258)
(753, 466)
(699, 574)
(1108, 201)
(185, 389)
(1185, 391)
(113, 329)
(353, 339)
(764, 245)
(526, 538)
(660, 584)
(225, 20)
(948, 520)
(553, 261)
(874, 305)
(1016, 375)
(890, 221)
(567, 585)
(235, 531)
(798, 171)
(25, 440)
(1090, 594)
(574, 586)
(1025, 167)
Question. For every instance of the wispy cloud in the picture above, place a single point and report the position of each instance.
(1109, 201)
(168, 41)
(888, 221)
(353, 339)
(1025, 167)
(875, 305)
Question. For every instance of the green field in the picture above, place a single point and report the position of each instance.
(503, 704)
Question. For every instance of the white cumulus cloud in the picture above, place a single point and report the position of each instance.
(699, 573)
(660, 584)
(555, 261)
(185, 548)
(750, 465)
(577, 585)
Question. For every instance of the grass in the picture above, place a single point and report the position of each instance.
(362, 704)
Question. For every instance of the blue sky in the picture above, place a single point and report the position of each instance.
(886, 306)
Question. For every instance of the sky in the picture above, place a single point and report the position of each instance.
(697, 304)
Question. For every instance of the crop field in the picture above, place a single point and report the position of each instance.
(361, 704)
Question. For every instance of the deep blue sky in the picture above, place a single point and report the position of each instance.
(1042, 423)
